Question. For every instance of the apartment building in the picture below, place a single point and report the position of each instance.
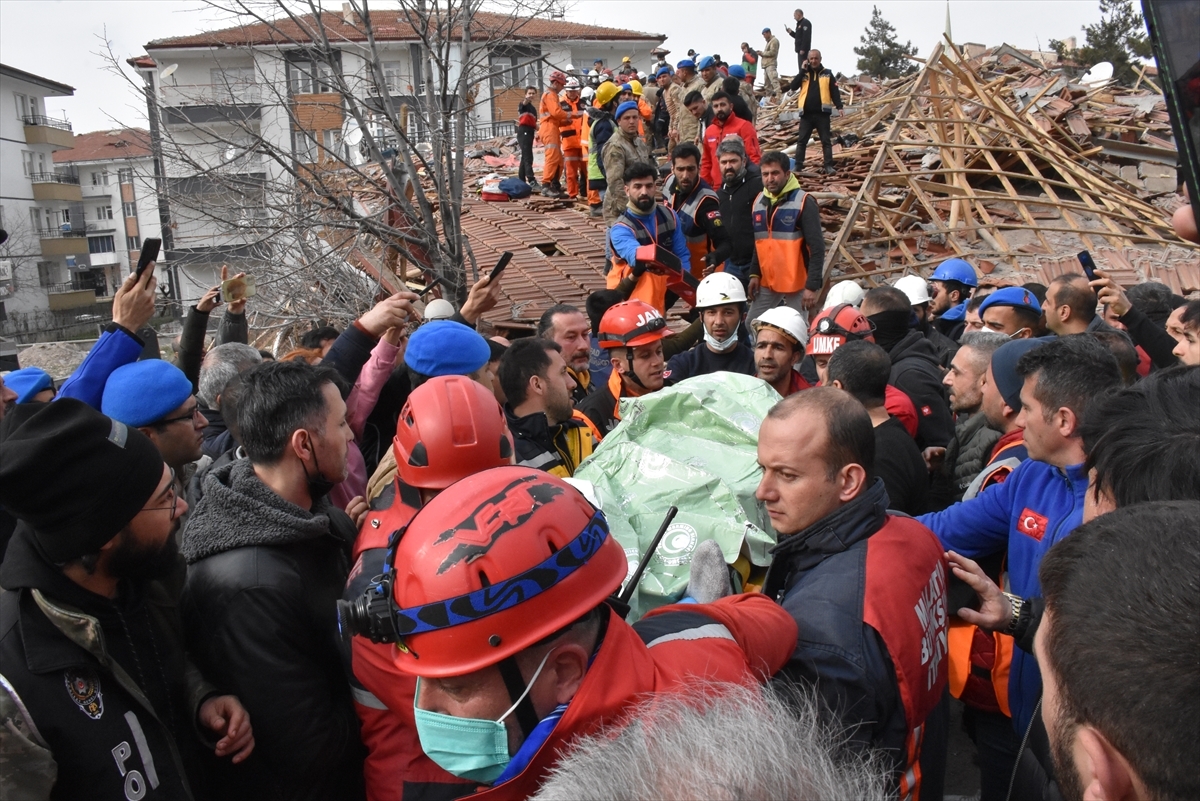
(214, 95)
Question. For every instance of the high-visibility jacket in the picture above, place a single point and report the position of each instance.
(979, 663)
(569, 129)
(551, 118)
(651, 287)
(824, 81)
(779, 241)
(698, 242)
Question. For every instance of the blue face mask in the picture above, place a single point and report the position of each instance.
(470, 748)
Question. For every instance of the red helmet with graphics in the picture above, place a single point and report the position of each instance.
(836, 326)
(631, 324)
(496, 563)
(450, 428)
(558, 77)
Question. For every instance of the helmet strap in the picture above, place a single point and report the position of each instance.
(527, 718)
(633, 376)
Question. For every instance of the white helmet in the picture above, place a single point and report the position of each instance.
(642, 77)
(569, 68)
(588, 93)
(915, 288)
(843, 292)
(719, 289)
(438, 309)
(594, 74)
(785, 319)
(605, 77)
(572, 83)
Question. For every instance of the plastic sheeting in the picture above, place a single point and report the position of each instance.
(694, 446)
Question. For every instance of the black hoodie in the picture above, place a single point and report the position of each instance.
(915, 371)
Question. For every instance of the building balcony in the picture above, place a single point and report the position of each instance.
(62, 243)
(201, 104)
(53, 186)
(41, 130)
(100, 190)
(68, 295)
(104, 259)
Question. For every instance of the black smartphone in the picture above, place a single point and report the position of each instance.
(149, 253)
(1174, 27)
(432, 285)
(1089, 266)
(505, 258)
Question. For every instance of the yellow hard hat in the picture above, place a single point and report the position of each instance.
(636, 86)
(606, 92)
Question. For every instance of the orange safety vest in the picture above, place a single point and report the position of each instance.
(969, 678)
(570, 129)
(552, 116)
(779, 242)
(651, 287)
(698, 243)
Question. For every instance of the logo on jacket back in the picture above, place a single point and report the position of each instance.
(1031, 524)
(84, 688)
(931, 611)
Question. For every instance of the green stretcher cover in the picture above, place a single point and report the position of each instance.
(694, 446)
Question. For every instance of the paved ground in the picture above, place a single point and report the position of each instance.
(962, 772)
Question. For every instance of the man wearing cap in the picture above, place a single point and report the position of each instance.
(552, 118)
(710, 75)
(745, 89)
(624, 149)
(268, 557)
(803, 36)
(779, 339)
(156, 398)
(917, 290)
(31, 384)
(98, 697)
(721, 301)
(1012, 311)
(684, 126)
(951, 286)
(769, 58)
(504, 686)
(660, 124)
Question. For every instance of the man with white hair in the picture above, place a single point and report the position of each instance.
(219, 367)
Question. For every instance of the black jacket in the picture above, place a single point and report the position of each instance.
(105, 682)
(701, 360)
(191, 340)
(259, 606)
(556, 449)
(1152, 338)
(899, 463)
(803, 35)
(915, 371)
(737, 213)
(216, 436)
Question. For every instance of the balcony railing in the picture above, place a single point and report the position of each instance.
(78, 285)
(49, 122)
(59, 233)
(53, 178)
(210, 94)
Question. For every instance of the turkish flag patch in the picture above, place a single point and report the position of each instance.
(1031, 524)
(926, 411)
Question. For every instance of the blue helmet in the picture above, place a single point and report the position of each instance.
(956, 270)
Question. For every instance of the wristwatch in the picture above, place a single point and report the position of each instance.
(1016, 602)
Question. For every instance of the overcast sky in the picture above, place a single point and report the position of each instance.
(61, 39)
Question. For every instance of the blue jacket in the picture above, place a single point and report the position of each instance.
(115, 348)
(625, 244)
(1038, 505)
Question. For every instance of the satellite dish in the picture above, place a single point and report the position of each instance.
(169, 71)
(352, 135)
(1099, 74)
(230, 153)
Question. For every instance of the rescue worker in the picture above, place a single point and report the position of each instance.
(552, 118)
(638, 342)
(644, 222)
(622, 150)
(788, 240)
(699, 210)
(451, 427)
(916, 289)
(540, 414)
(571, 134)
(600, 129)
(711, 76)
(721, 301)
(876, 653)
(685, 127)
(951, 286)
(724, 124)
(499, 607)
(779, 340)
(768, 59)
(816, 105)
(569, 327)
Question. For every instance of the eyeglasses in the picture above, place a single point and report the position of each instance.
(189, 416)
(174, 498)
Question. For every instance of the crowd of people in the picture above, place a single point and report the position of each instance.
(366, 568)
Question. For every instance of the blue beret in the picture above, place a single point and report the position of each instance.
(444, 347)
(28, 382)
(628, 105)
(766, 30)
(1004, 369)
(705, 63)
(145, 392)
(685, 64)
(1013, 296)
(736, 71)
(662, 71)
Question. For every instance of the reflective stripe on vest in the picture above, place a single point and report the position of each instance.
(779, 242)
(823, 81)
(698, 243)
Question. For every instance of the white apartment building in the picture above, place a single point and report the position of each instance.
(213, 94)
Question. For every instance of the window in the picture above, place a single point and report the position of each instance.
(45, 273)
(305, 147)
(34, 162)
(133, 242)
(233, 84)
(129, 209)
(310, 77)
(104, 213)
(331, 140)
(35, 219)
(395, 78)
(100, 178)
(28, 105)
(125, 176)
(101, 244)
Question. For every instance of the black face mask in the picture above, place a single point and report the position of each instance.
(890, 327)
(318, 485)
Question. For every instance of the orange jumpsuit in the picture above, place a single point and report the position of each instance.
(572, 147)
(551, 118)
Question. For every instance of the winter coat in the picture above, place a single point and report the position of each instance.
(702, 360)
(915, 371)
(556, 449)
(99, 700)
(737, 213)
(191, 341)
(966, 456)
(259, 606)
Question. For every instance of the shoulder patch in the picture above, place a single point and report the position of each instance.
(1031, 524)
(84, 688)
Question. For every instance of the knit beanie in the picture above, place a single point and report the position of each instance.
(145, 392)
(28, 382)
(444, 347)
(1004, 369)
(75, 476)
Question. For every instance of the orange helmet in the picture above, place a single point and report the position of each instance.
(558, 77)
(630, 324)
(836, 326)
(450, 428)
(499, 561)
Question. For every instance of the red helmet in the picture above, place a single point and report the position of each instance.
(558, 77)
(496, 563)
(834, 327)
(450, 428)
(630, 324)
